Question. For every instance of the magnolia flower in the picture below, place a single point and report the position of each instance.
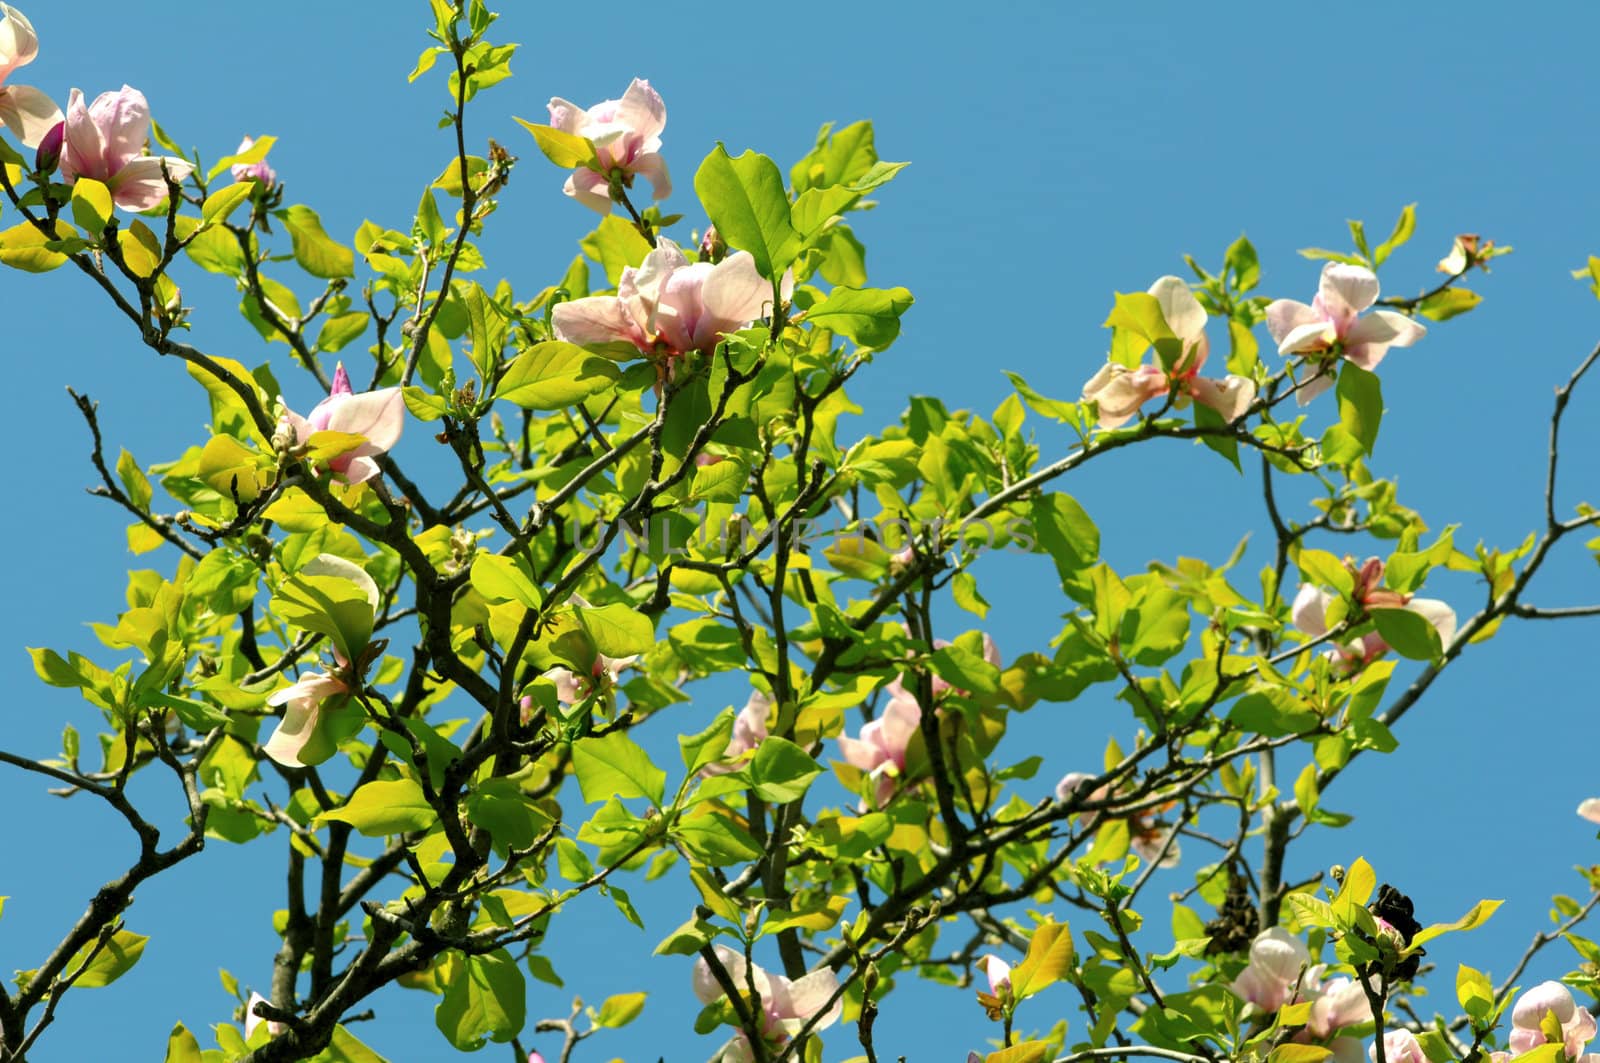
(1279, 962)
(668, 305)
(749, 730)
(1399, 1046)
(880, 752)
(626, 135)
(1528, 1014)
(1589, 809)
(1118, 391)
(1309, 613)
(300, 740)
(105, 140)
(29, 113)
(257, 171)
(571, 688)
(998, 972)
(378, 415)
(535, 1057)
(785, 1006)
(1147, 835)
(252, 1020)
(1331, 327)
(1337, 1004)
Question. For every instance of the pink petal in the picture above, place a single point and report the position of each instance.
(642, 110)
(1311, 380)
(83, 152)
(595, 321)
(1346, 289)
(1119, 391)
(1312, 336)
(28, 113)
(1437, 613)
(565, 115)
(1230, 396)
(123, 118)
(1185, 316)
(379, 415)
(1309, 613)
(1589, 809)
(18, 43)
(735, 294)
(590, 189)
(1286, 315)
(139, 185)
(652, 166)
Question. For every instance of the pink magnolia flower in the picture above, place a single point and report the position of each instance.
(1528, 1014)
(535, 1057)
(259, 172)
(252, 1020)
(1399, 1046)
(1332, 326)
(378, 415)
(105, 140)
(1589, 809)
(571, 688)
(1279, 962)
(1147, 834)
(785, 1006)
(749, 731)
(668, 305)
(299, 740)
(998, 972)
(1337, 1004)
(29, 113)
(880, 752)
(626, 135)
(1118, 391)
(1309, 613)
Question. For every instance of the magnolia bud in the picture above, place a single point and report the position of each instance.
(258, 171)
(713, 248)
(48, 156)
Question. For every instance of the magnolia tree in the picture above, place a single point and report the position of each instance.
(437, 699)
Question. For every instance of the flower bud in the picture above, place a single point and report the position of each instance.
(258, 171)
(713, 248)
(48, 156)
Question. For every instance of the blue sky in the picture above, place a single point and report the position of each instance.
(1060, 153)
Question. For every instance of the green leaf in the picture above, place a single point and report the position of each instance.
(1403, 228)
(1409, 633)
(91, 205)
(1474, 992)
(502, 579)
(1050, 959)
(965, 670)
(555, 375)
(1360, 404)
(614, 765)
(704, 748)
(964, 589)
(1448, 304)
(1293, 1053)
(782, 771)
(722, 481)
(224, 201)
(816, 205)
(567, 150)
(617, 630)
(745, 200)
(715, 840)
(620, 1010)
(113, 960)
(615, 244)
(869, 316)
(486, 999)
(317, 252)
(1274, 717)
(182, 1046)
(22, 247)
(1475, 917)
(385, 807)
(1066, 532)
(328, 605)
